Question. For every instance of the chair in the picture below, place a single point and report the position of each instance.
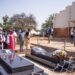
(58, 68)
(65, 65)
(71, 67)
(62, 66)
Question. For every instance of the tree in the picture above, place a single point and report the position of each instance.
(6, 24)
(5, 19)
(18, 21)
(23, 21)
(0, 25)
(30, 21)
(48, 22)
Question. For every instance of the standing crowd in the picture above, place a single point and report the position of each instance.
(8, 39)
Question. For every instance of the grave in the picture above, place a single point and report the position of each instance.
(52, 61)
(45, 57)
(11, 64)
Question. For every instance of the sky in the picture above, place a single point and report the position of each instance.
(41, 9)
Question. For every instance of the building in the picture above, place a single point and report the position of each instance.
(63, 21)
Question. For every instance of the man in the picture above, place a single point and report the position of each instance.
(15, 35)
(21, 39)
(71, 35)
(49, 34)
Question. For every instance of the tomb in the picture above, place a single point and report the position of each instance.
(49, 59)
(11, 64)
(43, 56)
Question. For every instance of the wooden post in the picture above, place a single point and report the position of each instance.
(64, 44)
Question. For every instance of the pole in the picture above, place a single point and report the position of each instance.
(64, 44)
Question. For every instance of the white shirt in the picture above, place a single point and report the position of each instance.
(15, 34)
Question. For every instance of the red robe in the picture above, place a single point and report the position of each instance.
(11, 41)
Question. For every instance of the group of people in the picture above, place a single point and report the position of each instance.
(24, 37)
(8, 39)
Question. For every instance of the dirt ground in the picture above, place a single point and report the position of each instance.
(55, 43)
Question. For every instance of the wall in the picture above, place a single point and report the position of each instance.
(62, 22)
(61, 32)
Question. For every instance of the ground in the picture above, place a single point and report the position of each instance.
(55, 43)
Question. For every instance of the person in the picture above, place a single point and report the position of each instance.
(15, 35)
(74, 36)
(2, 39)
(10, 40)
(5, 42)
(71, 35)
(27, 39)
(49, 34)
(21, 39)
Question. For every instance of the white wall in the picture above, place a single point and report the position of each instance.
(68, 16)
(55, 21)
(73, 14)
(62, 19)
(73, 11)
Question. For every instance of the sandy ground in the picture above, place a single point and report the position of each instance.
(54, 43)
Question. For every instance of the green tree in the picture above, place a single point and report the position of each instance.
(48, 22)
(6, 25)
(5, 19)
(18, 21)
(23, 21)
(0, 24)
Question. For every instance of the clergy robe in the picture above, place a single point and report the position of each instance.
(11, 41)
